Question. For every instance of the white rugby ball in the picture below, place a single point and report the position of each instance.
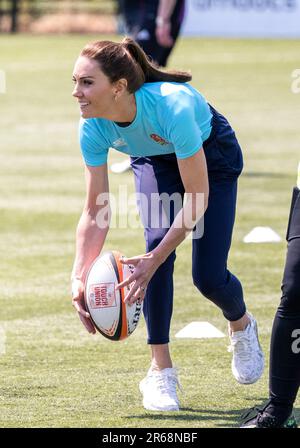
(113, 318)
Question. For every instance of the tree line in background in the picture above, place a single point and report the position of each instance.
(14, 9)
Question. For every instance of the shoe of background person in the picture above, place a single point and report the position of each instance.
(248, 360)
(121, 167)
(262, 418)
(159, 390)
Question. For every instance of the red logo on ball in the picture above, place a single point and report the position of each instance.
(102, 295)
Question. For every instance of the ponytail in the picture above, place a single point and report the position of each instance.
(151, 71)
(128, 60)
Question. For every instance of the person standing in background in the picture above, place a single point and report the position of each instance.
(284, 375)
(154, 24)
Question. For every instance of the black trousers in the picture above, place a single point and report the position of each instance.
(285, 339)
(140, 23)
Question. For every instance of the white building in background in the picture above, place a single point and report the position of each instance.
(243, 18)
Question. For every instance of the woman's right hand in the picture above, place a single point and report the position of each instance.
(79, 305)
(163, 34)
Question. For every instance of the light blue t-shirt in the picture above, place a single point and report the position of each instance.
(170, 118)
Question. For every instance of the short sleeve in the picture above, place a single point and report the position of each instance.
(182, 128)
(92, 143)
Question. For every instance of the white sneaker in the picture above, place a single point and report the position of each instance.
(248, 359)
(159, 390)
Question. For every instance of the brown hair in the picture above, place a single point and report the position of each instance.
(128, 60)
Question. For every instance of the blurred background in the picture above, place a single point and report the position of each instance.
(256, 18)
(245, 59)
(52, 16)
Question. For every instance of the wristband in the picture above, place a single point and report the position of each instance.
(160, 21)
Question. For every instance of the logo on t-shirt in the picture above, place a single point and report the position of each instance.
(159, 139)
(119, 142)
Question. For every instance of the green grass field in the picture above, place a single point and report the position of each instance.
(53, 373)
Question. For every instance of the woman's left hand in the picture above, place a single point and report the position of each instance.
(144, 268)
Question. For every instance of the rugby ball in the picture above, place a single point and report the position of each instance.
(113, 318)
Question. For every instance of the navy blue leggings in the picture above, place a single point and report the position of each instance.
(160, 174)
